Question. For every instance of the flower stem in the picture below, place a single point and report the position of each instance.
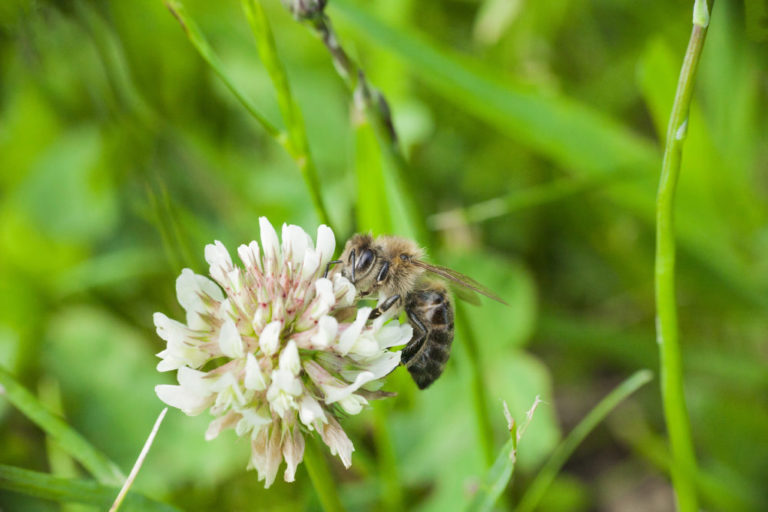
(320, 475)
(683, 463)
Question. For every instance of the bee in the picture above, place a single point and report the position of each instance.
(391, 269)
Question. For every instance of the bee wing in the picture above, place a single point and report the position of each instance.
(460, 279)
(465, 294)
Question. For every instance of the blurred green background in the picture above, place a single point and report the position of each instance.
(122, 155)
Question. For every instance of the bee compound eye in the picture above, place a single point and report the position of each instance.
(404, 257)
(365, 261)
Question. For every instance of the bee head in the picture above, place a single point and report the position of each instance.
(358, 259)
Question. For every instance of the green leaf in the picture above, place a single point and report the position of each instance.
(73, 443)
(70, 490)
(497, 478)
(68, 193)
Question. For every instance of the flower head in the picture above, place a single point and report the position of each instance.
(274, 350)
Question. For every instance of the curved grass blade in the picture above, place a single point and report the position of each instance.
(499, 475)
(547, 474)
(202, 46)
(70, 490)
(297, 130)
(98, 464)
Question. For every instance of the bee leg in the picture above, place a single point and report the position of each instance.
(328, 267)
(384, 306)
(420, 333)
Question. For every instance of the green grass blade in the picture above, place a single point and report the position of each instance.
(497, 479)
(374, 214)
(297, 131)
(547, 474)
(499, 475)
(718, 491)
(683, 463)
(70, 490)
(202, 46)
(98, 464)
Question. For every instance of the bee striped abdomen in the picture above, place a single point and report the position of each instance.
(431, 315)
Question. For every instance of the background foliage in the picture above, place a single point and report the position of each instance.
(122, 155)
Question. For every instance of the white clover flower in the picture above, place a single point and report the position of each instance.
(272, 350)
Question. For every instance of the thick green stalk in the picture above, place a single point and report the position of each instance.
(683, 464)
(297, 132)
(320, 475)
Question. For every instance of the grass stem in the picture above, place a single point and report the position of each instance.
(683, 463)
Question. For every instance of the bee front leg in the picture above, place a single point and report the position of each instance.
(328, 267)
(384, 306)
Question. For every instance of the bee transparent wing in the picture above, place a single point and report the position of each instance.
(460, 279)
(465, 294)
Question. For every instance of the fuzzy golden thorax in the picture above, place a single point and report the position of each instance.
(382, 265)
